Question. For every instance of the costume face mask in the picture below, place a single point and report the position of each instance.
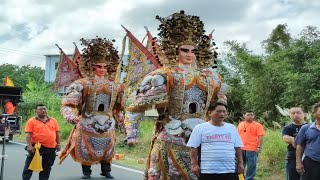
(100, 69)
(186, 54)
(99, 58)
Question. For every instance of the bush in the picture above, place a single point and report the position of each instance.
(141, 150)
(274, 149)
(32, 98)
(53, 103)
(271, 160)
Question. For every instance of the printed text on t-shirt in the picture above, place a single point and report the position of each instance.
(219, 137)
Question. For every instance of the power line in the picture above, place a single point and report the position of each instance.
(21, 52)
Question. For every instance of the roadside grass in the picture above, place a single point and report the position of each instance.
(271, 160)
(138, 152)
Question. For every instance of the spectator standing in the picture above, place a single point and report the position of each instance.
(289, 133)
(308, 142)
(220, 145)
(44, 130)
(8, 107)
(251, 133)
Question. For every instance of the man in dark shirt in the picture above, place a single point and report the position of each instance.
(289, 133)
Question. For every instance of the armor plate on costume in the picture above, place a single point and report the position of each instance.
(194, 100)
(94, 136)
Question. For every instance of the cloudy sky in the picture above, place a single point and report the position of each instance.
(30, 29)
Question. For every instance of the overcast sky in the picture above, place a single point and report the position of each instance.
(30, 29)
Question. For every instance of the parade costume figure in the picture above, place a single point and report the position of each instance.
(89, 104)
(181, 91)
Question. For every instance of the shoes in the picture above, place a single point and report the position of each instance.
(107, 175)
(86, 176)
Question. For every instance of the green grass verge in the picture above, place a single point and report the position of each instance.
(138, 152)
(271, 160)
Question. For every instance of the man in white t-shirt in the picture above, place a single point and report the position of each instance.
(220, 144)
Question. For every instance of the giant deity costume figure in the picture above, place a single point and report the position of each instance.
(181, 91)
(89, 104)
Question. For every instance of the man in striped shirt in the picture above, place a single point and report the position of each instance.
(220, 147)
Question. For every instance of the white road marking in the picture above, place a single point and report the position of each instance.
(128, 169)
(118, 166)
(23, 144)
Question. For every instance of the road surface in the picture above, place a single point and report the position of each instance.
(69, 170)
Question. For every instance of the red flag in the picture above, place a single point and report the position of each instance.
(77, 56)
(67, 72)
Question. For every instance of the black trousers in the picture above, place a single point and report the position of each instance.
(48, 156)
(291, 171)
(105, 168)
(226, 176)
(311, 168)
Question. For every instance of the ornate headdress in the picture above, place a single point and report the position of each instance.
(99, 50)
(181, 29)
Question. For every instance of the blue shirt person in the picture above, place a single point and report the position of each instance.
(308, 142)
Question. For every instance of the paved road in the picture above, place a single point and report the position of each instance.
(69, 170)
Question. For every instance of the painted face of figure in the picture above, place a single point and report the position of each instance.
(100, 69)
(219, 113)
(248, 116)
(186, 54)
(296, 114)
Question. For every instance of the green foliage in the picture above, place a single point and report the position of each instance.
(38, 93)
(21, 75)
(52, 101)
(274, 149)
(271, 160)
(41, 93)
(286, 75)
(279, 39)
(141, 150)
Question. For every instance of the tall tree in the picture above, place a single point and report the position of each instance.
(286, 75)
(279, 39)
